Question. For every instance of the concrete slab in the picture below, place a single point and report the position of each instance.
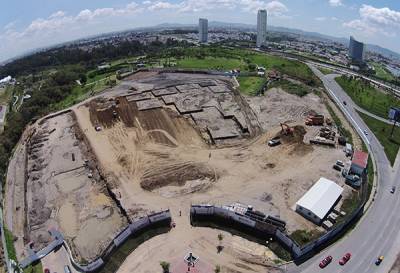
(219, 128)
(207, 83)
(149, 104)
(164, 91)
(187, 87)
(139, 97)
(220, 88)
(141, 87)
(170, 99)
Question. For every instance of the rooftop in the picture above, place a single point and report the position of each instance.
(321, 197)
(360, 159)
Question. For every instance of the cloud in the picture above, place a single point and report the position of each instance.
(61, 26)
(320, 19)
(274, 8)
(160, 5)
(376, 20)
(335, 3)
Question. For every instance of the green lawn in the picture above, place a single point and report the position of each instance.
(5, 94)
(10, 244)
(382, 73)
(302, 237)
(222, 58)
(37, 268)
(325, 71)
(291, 87)
(217, 63)
(382, 132)
(367, 97)
(251, 85)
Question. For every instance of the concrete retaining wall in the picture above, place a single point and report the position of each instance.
(140, 225)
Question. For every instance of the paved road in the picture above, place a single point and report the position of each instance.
(392, 88)
(377, 232)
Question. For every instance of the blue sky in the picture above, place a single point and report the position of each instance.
(26, 25)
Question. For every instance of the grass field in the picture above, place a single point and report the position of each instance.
(10, 244)
(37, 268)
(219, 58)
(382, 73)
(382, 131)
(325, 71)
(302, 237)
(367, 97)
(211, 63)
(251, 85)
(292, 88)
(5, 94)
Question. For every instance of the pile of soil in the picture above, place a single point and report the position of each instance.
(176, 175)
(297, 136)
(296, 141)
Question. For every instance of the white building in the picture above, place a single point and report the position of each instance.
(261, 27)
(319, 200)
(203, 30)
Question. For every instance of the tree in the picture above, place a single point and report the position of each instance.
(165, 266)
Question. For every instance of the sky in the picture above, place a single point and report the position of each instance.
(29, 24)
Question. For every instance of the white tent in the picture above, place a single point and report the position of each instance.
(319, 200)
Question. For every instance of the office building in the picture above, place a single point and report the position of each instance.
(261, 28)
(203, 30)
(356, 51)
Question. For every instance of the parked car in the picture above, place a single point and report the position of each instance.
(325, 262)
(337, 167)
(274, 142)
(339, 163)
(345, 259)
(67, 269)
(393, 189)
(379, 260)
(46, 270)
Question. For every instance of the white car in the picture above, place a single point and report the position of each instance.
(365, 132)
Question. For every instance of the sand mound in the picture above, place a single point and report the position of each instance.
(176, 174)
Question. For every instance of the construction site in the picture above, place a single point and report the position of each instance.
(166, 141)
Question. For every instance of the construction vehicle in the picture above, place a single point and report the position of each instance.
(315, 120)
(286, 129)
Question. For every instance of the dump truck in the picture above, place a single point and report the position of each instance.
(315, 120)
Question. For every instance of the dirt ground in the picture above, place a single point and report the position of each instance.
(59, 192)
(159, 159)
(237, 255)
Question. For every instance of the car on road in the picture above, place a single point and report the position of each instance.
(365, 132)
(67, 269)
(325, 262)
(393, 189)
(344, 102)
(379, 260)
(345, 259)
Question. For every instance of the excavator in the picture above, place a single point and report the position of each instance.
(286, 129)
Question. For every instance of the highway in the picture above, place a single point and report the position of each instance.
(377, 233)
